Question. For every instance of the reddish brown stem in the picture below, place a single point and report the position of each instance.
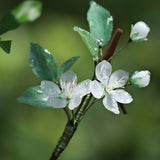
(53, 158)
(113, 44)
(110, 51)
(123, 108)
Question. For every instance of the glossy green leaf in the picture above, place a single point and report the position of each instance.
(34, 96)
(43, 63)
(6, 46)
(91, 43)
(67, 65)
(27, 11)
(100, 22)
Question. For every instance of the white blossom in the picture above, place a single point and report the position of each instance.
(140, 78)
(139, 31)
(69, 92)
(110, 86)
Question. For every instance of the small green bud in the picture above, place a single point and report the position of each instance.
(139, 32)
(140, 78)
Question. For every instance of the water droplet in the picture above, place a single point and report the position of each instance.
(49, 59)
(101, 40)
(91, 23)
(95, 49)
(47, 51)
(39, 91)
(110, 19)
(93, 3)
(32, 62)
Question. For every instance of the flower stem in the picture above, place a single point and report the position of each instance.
(124, 46)
(89, 106)
(67, 113)
(80, 112)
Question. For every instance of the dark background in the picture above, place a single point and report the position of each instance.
(30, 133)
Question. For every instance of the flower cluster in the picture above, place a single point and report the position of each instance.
(110, 86)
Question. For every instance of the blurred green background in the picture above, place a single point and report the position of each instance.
(30, 133)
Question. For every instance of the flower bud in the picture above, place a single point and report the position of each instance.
(139, 31)
(140, 78)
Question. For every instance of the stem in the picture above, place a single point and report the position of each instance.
(95, 100)
(64, 140)
(123, 108)
(73, 123)
(80, 112)
(113, 44)
(67, 113)
(73, 115)
(124, 46)
(70, 129)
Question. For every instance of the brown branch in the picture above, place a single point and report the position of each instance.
(113, 44)
(64, 139)
(53, 158)
(123, 108)
(110, 51)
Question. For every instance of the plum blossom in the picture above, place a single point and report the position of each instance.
(140, 78)
(139, 31)
(68, 93)
(110, 86)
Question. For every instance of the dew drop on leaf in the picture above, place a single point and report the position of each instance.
(32, 62)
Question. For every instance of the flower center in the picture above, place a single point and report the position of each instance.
(67, 88)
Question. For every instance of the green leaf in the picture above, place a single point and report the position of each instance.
(100, 22)
(27, 11)
(91, 42)
(43, 63)
(67, 65)
(6, 46)
(34, 96)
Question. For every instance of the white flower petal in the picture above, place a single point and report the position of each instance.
(56, 102)
(50, 89)
(69, 78)
(82, 88)
(110, 104)
(118, 79)
(103, 71)
(96, 89)
(75, 102)
(121, 96)
(68, 82)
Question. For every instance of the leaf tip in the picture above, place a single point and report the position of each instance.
(92, 3)
(33, 45)
(19, 99)
(77, 57)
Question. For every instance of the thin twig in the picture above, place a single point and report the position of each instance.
(67, 113)
(94, 101)
(123, 108)
(73, 115)
(124, 46)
